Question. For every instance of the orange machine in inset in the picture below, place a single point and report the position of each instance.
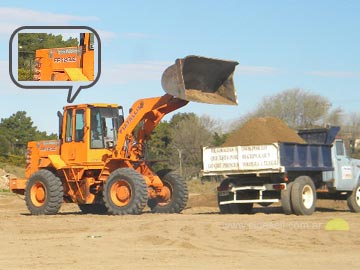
(66, 64)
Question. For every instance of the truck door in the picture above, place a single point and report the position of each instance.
(344, 171)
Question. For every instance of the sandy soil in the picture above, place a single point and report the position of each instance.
(199, 238)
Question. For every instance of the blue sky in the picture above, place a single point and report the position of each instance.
(313, 45)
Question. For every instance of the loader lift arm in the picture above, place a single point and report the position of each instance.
(149, 111)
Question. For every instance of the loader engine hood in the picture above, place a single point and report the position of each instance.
(201, 79)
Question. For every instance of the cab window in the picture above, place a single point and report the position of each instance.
(340, 148)
(96, 134)
(91, 41)
(79, 126)
(68, 136)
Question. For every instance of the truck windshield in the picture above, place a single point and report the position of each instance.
(340, 150)
(104, 125)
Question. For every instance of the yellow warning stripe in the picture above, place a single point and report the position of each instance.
(75, 74)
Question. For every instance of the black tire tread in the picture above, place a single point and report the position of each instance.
(296, 196)
(55, 193)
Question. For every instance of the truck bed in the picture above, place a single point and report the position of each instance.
(271, 158)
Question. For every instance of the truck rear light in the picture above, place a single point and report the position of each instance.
(279, 186)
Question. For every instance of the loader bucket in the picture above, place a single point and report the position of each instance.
(201, 79)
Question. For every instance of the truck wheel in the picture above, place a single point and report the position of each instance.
(224, 208)
(303, 196)
(44, 193)
(353, 201)
(125, 192)
(286, 199)
(177, 195)
(241, 208)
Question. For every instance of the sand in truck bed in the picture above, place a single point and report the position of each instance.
(264, 130)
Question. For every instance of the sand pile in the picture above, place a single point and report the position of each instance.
(264, 130)
(4, 179)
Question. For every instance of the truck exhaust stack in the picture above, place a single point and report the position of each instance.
(201, 79)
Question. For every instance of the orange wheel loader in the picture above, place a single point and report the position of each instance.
(99, 161)
(66, 64)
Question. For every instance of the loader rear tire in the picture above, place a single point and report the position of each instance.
(303, 196)
(125, 192)
(353, 201)
(44, 193)
(286, 199)
(178, 195)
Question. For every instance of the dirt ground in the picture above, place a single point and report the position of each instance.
(199, 238)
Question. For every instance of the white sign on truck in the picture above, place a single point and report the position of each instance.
(241, 158)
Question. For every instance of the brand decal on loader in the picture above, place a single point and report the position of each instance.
(67, 51)
(48, 149)
(131, 117)
(70, 59)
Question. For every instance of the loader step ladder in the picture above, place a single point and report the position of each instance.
(75, 74)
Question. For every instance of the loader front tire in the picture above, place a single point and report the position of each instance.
(43, 193)
(177, 198)
(125, 192)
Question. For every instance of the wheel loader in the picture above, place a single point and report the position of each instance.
(66, 64)
(99, 161)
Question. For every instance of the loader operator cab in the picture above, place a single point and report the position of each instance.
(87, 127)
(104, 125)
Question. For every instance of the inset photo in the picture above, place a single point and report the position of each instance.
(56, 56)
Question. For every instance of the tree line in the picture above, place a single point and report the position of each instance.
(176, 144)
(15, 132)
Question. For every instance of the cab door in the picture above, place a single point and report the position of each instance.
(74, 147)
(344, 170)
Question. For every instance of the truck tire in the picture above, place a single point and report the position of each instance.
(286, 199)
(241, 208)
(225, 208)
(177, 189)
(303, 196)
(353, 201)
(125, 192)
(44, 193)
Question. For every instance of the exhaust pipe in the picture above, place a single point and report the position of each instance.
(201, 79)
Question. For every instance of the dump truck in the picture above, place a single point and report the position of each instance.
(294, 174)
(66, 64)
(100, 161)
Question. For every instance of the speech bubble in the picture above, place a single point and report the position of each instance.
(73, 87)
